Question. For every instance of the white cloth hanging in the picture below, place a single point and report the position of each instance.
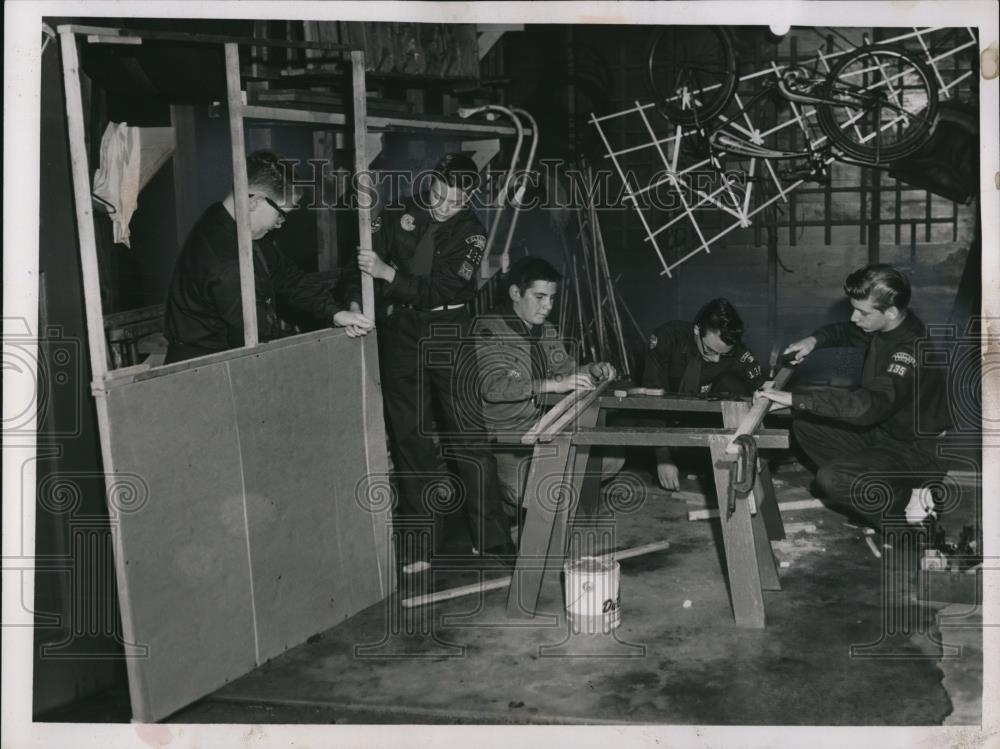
(116, 182)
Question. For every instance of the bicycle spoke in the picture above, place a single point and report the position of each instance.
(881, 104)
(691, 72)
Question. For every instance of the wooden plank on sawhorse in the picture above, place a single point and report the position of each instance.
(549, 499)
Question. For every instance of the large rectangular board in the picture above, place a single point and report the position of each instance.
(255, 531)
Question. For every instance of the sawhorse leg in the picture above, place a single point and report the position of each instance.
(767, 503)
(738, 539)
(555, 479)
(749, 559)
(766, 522)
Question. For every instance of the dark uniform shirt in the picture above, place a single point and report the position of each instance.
(672, 346)
(204, 308)
(435, 262)
(890, 380)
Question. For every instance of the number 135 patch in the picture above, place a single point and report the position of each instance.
(898, 369)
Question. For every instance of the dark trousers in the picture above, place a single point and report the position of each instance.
(866, 472)
(427, 356)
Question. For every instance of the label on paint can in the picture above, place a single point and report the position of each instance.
(593, 595)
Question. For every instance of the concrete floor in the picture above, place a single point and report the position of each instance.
(464, 662)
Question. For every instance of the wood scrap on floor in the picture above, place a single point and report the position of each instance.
(800, 504)
(503, 582)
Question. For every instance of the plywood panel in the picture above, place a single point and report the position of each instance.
(363, 494)
(257, 531)
(301, 435)
(187, 594)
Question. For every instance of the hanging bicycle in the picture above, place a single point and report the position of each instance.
(877, 103)
(731, 141)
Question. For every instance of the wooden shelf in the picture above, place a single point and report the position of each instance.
(410, 123)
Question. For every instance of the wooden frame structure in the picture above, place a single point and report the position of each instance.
(562, 448)
(212, 531)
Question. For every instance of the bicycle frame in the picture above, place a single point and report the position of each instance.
(795, 88)
(727, 142)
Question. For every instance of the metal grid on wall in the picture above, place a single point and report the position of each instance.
(639, 146)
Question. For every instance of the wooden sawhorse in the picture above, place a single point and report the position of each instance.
(559, 477)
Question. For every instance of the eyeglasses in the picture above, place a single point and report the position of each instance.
(281, 211)
(706, 351)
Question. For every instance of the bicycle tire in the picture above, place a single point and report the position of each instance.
(848, 138)
(718, 80)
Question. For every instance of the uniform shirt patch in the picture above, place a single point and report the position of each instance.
(466, 270)
(376, 224)
(477, 244)
(897, 369)
(905, 358)
(753, 372)
(747, 356)
(407, 222)
(652, 342)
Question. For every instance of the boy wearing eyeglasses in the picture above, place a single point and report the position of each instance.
(204, 308)
(706, 356)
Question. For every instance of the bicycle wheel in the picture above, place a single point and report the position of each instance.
(887, 103)
(692, 73)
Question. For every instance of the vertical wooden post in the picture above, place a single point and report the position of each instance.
(365, 189)
(84, 211)
(241, 195)
(95, 333)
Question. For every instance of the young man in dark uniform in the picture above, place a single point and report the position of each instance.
(700, 357)
(204, 308)
(866, 439)
(426, 256)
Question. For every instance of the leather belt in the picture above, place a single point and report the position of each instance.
(442, 308)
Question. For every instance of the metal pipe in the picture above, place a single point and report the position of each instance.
(519, 191)
(616, 320)
(465, 113)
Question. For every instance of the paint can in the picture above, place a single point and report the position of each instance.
(593, 597)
